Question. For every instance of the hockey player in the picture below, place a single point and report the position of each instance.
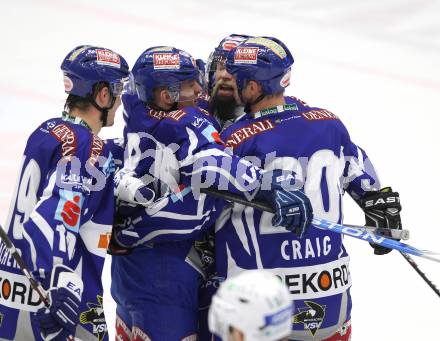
(314, 151)
(253, 305)
(224, 102)
(172, 146)
(62, 209)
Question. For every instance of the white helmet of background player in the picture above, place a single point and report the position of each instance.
(256, 303)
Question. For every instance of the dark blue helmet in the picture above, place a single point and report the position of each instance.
(263, 59)
(163, 66)
(87, 65)
(219, 56)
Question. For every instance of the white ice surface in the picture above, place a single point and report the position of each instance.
(376, 64)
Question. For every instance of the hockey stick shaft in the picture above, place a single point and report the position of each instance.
(358, 232)
(14, 253)
(414, 265)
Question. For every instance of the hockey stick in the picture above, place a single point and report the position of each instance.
(14, 253)
(360, 232)
(414, 265)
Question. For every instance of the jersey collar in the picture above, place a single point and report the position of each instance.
(76, 120)
(275, 110)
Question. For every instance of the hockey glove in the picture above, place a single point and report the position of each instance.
(293, 209)
(132, 190)
(382, 210)
(58, 321)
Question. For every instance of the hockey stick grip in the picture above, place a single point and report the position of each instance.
(14, 253)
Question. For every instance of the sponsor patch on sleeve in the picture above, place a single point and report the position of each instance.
(212, 135)
(319, 114)
(95, 149)
(69, 209)
(66, 137)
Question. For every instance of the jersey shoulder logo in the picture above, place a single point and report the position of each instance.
(212, 135)
(319, 114)
(67, 137)
(175, 115)
(95, 149)
(242, 134)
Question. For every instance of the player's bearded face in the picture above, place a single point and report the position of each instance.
(224, 97)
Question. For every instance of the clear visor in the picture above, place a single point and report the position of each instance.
(119, 86)
(188, 90)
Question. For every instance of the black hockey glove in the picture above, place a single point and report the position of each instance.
(382, 210)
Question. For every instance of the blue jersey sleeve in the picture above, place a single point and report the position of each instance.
(204, 161)
(74, 214)
(360, 175)
(172, 218)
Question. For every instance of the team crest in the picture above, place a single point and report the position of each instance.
(311, 316)
(95, 316)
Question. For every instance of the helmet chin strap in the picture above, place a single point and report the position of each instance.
(248, 105)
(104, 111)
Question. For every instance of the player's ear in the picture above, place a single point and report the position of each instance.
(165, 98)
(103, 97)
(255, 87)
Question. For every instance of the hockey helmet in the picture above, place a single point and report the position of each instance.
(263, 59)
(87, 65)
(255, 302)
(163, 66)
(219, 55)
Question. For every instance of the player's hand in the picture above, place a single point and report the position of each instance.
(293, 209)
(58, 321)
(132, 190)
(382, 210)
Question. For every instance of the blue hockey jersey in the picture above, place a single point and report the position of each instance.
(61, 213)
(314, 144)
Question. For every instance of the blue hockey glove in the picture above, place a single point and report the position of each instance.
(293, 209)
(58, 321)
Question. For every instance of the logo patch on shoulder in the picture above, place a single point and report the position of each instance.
(212, 135)
(69, 209)
(175, 115)
(95, 149)
(67, 137)
(319, 114)
(247, 132)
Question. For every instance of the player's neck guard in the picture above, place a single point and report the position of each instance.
(275, 110)
(76, 120)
